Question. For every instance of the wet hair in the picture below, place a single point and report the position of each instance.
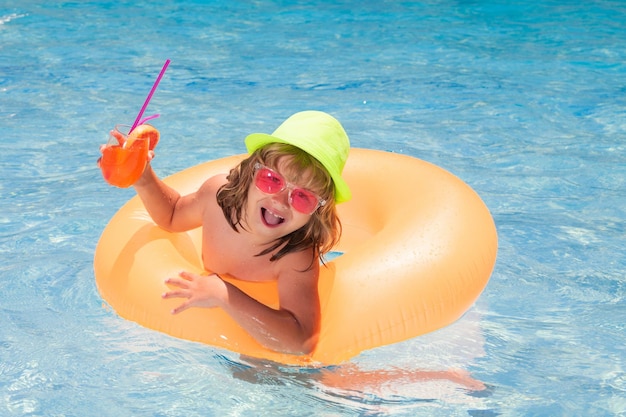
(323, 229)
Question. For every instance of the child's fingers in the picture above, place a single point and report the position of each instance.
(184, 306)
(182, 282)
(189, 276)
(176, 294)
(118, 136)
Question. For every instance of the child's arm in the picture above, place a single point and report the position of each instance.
(168, 209)
(292, 328)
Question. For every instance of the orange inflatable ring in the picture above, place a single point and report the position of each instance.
(418, 247)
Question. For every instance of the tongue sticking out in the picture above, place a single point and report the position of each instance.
(271, 219)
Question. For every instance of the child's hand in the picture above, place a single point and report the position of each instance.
(118, 136)
(199, 290)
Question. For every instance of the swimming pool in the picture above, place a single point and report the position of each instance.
(525, 101)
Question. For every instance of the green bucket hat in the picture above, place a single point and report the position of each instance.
(318, 134)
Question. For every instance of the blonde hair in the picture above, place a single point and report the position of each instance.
(322, 231)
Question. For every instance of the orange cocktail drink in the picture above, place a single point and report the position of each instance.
(124, 158)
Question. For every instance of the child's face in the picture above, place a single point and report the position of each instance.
(271, 215)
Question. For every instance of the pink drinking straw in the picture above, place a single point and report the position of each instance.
(145, 104)
(145, 119)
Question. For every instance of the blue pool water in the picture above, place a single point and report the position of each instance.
(525, 101)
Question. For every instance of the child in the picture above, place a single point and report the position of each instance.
(272, 218)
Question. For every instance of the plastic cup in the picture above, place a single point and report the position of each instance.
(123, 163)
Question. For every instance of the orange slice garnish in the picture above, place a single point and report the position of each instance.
(143, 132)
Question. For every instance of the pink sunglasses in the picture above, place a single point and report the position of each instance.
(269, 181)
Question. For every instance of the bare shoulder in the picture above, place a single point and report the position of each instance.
(193, 205)
(207, 192)
(212, 185)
